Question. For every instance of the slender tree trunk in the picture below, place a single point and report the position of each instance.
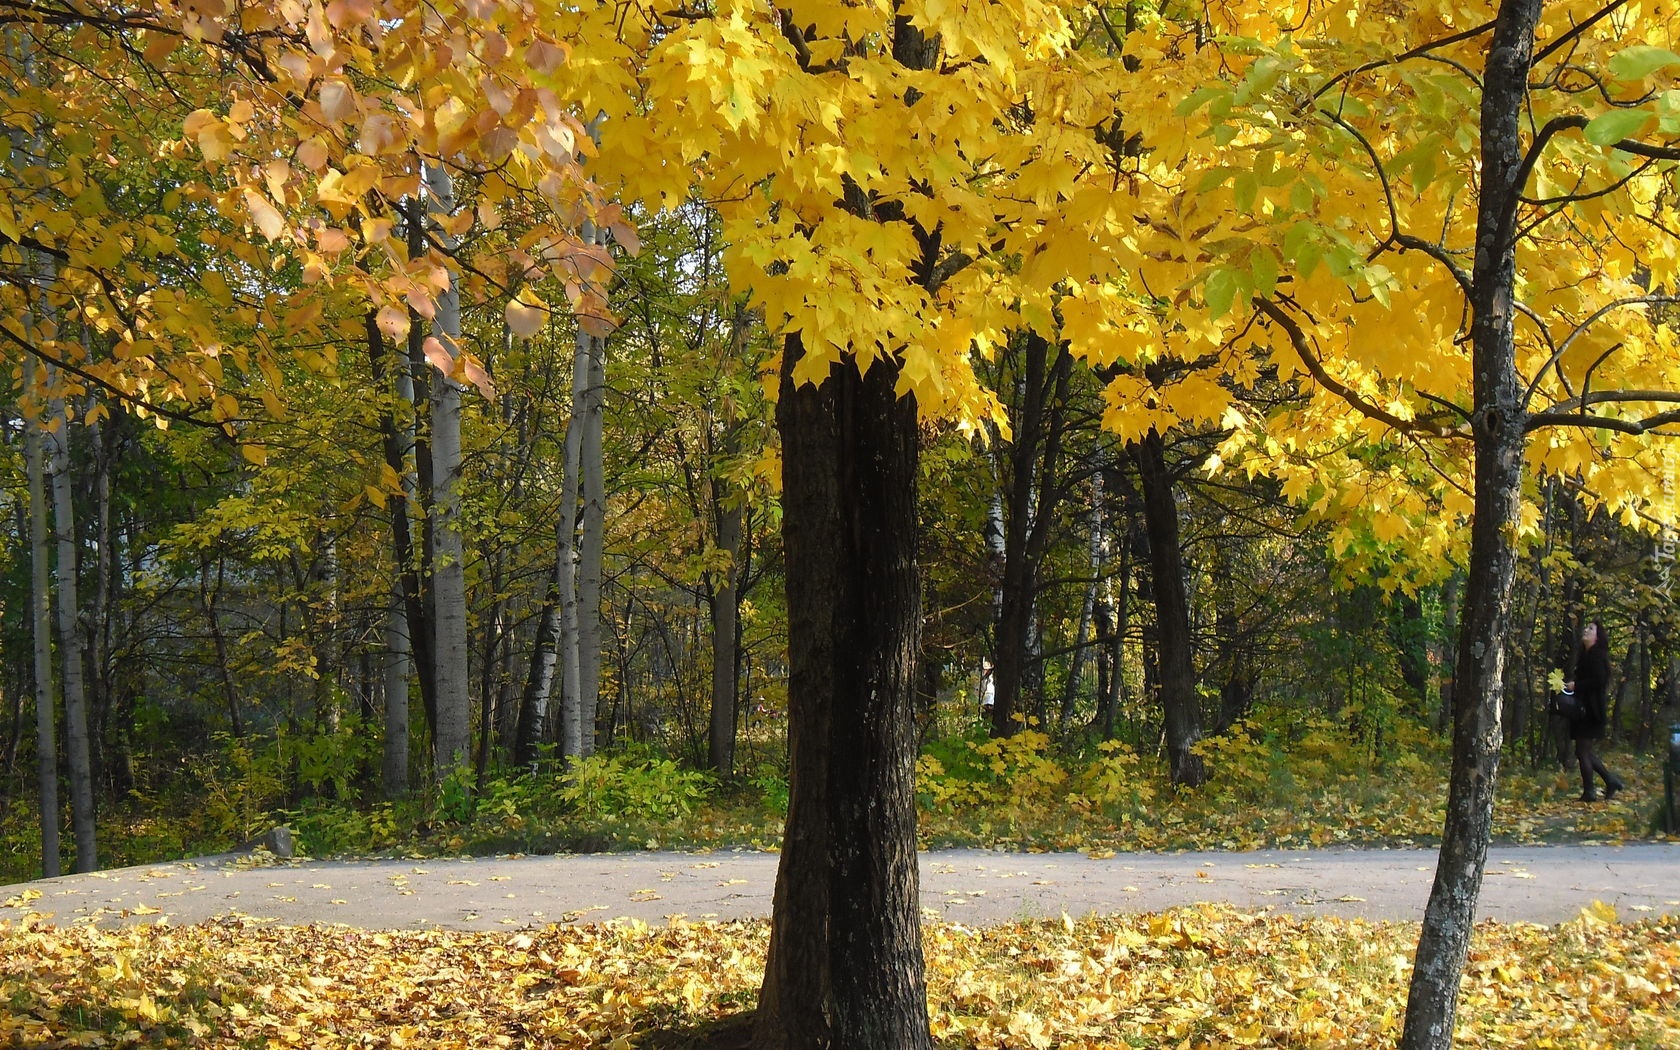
(1181, 707)
(452, 741)
(394, 765)
(725, 602)
(71, 643)
(1498, 426)
(1030, 484)
(592, 542)
(208, 598)
(1097, 548)
(1015, 592)
(845, 967)
(566, 561)
(40, 614)
(532, 728)
(407, 628)
(114, 736)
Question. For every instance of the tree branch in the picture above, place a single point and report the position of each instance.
(1570, 36)
(1621, 426)
(1576, 332)
(1298, 339)
(29, 347)
(1416, 52)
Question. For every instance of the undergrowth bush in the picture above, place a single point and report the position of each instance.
(1285, 780)
(633, 786)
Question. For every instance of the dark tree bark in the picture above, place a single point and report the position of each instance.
(1030, 486)
(532, 727)
(845, 967)
(1498, 424)
(725, 601)
(1180, 706)
(397, 441)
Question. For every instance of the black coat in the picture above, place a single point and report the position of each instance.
(1592, 682)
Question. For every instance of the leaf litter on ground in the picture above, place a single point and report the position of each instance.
(1203, 976)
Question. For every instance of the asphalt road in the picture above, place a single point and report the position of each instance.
(1543, 884)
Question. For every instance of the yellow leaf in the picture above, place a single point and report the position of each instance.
(268, 220)
(525, 315)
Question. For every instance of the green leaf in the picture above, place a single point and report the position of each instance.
(1265, 266)
(1301, 197)
(1198, 98)
(1614, 125)
(1637, 63)
(1212, 179)
(1424, 169)
(1221, 291)
(1244, 189)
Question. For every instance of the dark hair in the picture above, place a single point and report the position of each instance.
(1602, 636)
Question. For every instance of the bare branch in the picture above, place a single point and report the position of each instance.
(1646, 149)
(1591, 422)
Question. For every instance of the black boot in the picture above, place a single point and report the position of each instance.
(1612, 783)
(1589, 789)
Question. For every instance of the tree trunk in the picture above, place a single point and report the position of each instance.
(1498, 422)
(1180, 706)
(393, 768)
(71, 641)
(208, 600)
(452, 740)
(725, 602)
(532, 728)
(40, 614)
(114, 736)
(592, 541)
(1097, 550)
(1030, 494)
(566, 560)
(407, 629)
(845, 967)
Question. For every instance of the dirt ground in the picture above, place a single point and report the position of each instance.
(1541, 884)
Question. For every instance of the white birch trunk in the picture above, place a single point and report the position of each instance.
(40, 596)
(566, 563)
(394, 769)
(453, 737)
(578, 568)
(40, 618)
(591, 550)
(78, 754)
(399, 632)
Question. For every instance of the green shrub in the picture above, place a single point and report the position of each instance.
(633, 786)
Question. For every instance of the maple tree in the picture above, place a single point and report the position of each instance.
(1545, 166)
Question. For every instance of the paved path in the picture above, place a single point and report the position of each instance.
(1545, 884)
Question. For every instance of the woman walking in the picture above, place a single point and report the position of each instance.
(1592, 682)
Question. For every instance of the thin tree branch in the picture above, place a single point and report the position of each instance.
(1621, 426)
(29, 347)
(1570, 36)
(1416, 52)
(1298, 340)
(1578, 330)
